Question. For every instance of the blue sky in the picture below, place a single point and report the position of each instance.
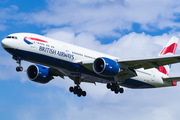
(126, 29)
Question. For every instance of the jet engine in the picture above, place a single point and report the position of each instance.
(106, 67)
(40, 74)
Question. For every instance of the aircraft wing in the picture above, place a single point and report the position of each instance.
(128, 66)
(147, 63)
(56, 72)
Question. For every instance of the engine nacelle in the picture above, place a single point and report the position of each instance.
(106, 67)
(38, 73)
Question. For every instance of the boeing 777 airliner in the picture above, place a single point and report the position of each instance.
(57, 58)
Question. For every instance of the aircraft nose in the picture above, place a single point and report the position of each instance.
(4, 43)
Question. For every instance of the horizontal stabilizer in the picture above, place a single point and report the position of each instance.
(172, 79)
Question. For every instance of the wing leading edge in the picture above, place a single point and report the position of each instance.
(148, 63)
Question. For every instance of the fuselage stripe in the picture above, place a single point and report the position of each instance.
(36, 39)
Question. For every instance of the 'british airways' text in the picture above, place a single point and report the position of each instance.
(55, 52)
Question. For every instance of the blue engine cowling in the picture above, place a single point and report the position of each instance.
(106, 67)
(38, 73)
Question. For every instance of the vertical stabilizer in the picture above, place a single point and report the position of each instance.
(169, 49)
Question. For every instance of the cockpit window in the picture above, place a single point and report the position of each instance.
(8, 37)
(13, 37)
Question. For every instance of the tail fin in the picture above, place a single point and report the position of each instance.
(169, 49)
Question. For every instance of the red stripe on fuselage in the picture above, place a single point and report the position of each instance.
(36, 39)
(169, 49)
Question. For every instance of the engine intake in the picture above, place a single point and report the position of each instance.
(106, 67)
(38, 73)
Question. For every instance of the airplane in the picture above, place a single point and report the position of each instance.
(53, 58)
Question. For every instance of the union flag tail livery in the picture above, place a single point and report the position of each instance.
(60, 59)
(169, 49)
